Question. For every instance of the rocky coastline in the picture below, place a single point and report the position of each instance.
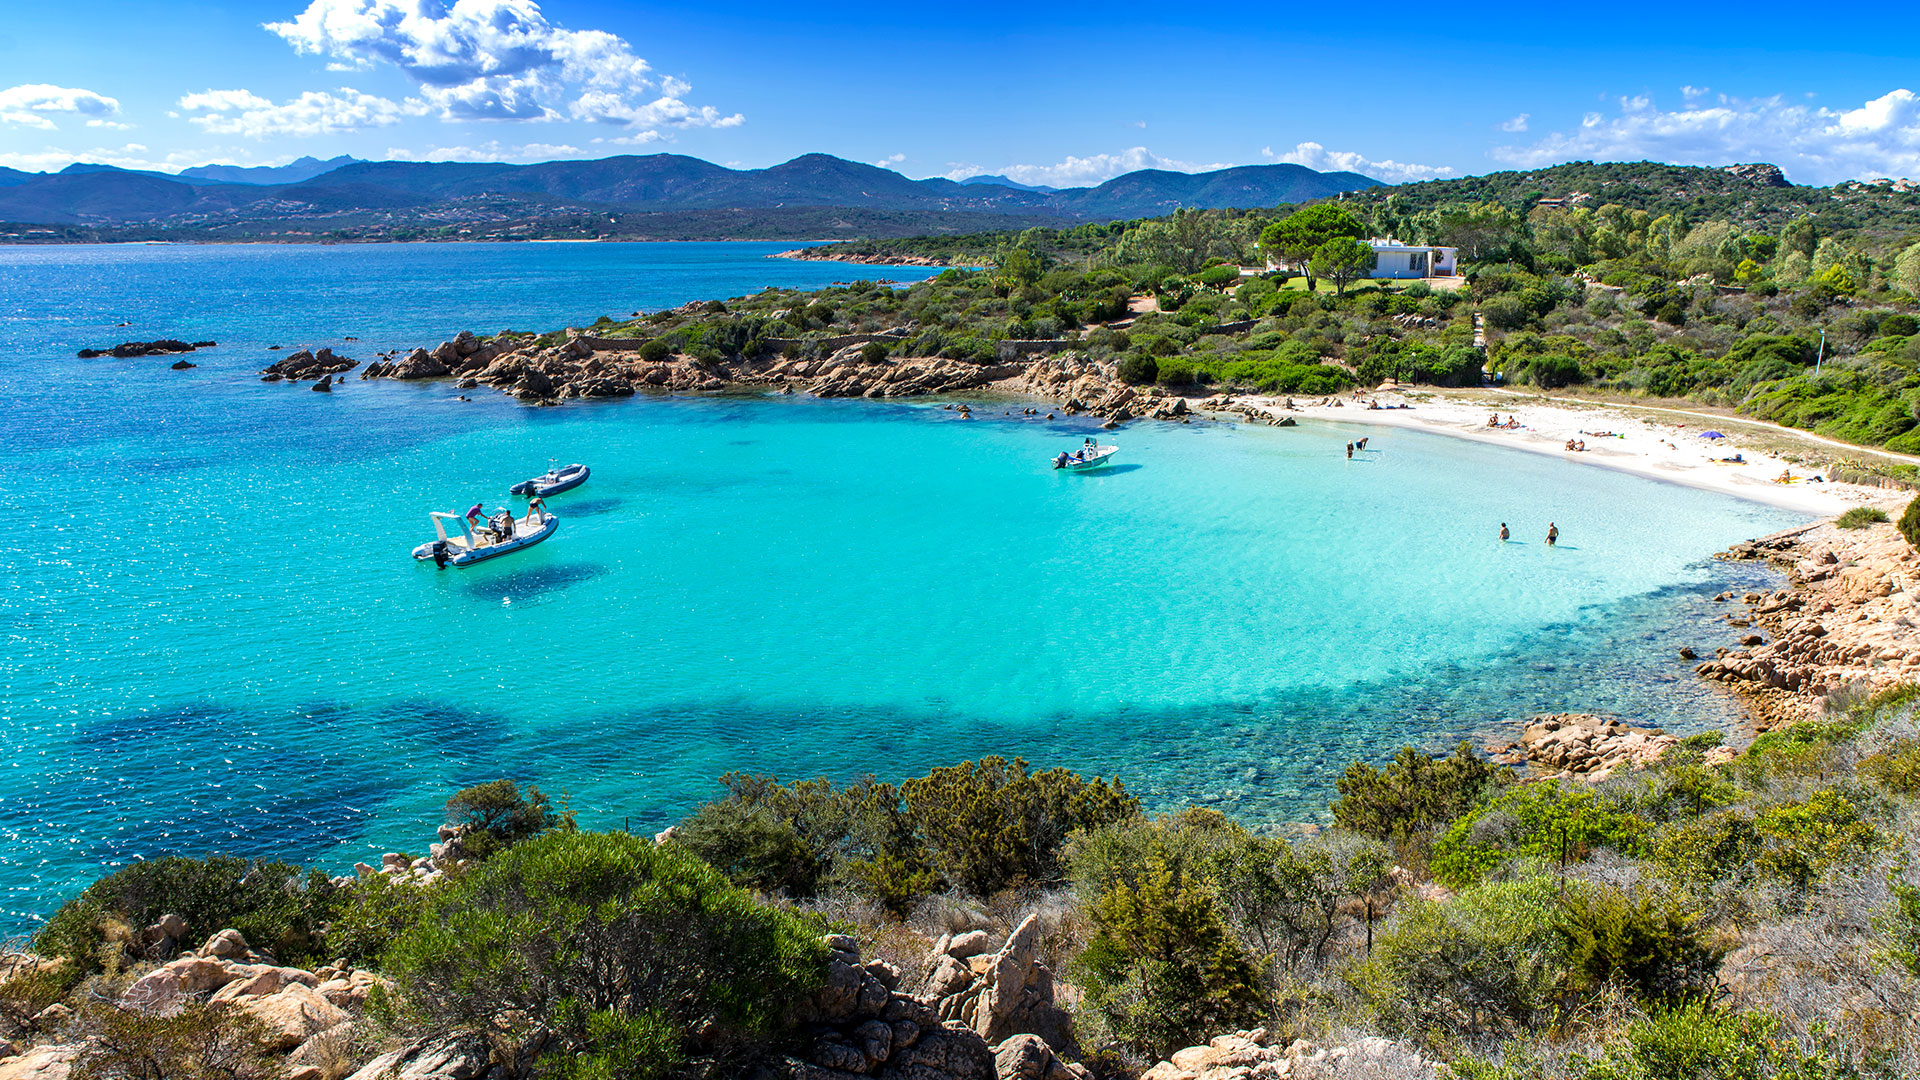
(586, 368)
(1846, 621)
(828, 254)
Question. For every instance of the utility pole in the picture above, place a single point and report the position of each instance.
(1823, 352)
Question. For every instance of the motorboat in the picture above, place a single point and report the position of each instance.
(553, 481)
(1090, 456)
(461, 543)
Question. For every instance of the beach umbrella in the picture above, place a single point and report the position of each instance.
(1711, 435)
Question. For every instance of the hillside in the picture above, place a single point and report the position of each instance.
(475, 200)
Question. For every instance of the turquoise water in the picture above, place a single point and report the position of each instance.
(216, 640)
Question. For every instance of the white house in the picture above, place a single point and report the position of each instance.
(1393, 259)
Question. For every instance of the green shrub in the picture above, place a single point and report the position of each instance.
(1415, 794)
(873, 352)
(1545, 820)
(278, 907)
(370, 913)
(1161, 971)
(1288, 900)
(1860, 517)
(640, 959)
(1643, 942)
(1800, 840)
(1697, 1041)
(991, 824)
(1910, 523)
(495, 816)
(655, 351)
(1138, 369)
(1490, 961)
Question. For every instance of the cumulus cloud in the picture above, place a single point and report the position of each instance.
(1315, 156)
(890, 161)
(1084, 171)
(1518, 123)
(1812, 144)
(242, 112)
(487, 151)
(498, 60)
(35, 104)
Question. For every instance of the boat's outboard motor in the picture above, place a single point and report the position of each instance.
(440, 554)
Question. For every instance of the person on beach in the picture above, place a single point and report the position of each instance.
(1504, 534)
(1553, 534)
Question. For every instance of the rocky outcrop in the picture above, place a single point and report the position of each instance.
(307, 365)
(1569, 745)
(827, 254)
(1254, 1055)
(40, 1063)
(1848, 616)
(127, 350)
(862, 1023)
(460, 1057)
(997, 993)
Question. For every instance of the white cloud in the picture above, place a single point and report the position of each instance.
(499, 60)
(1812, 144)
(1084, 171)
(1315, 156)
(242, 112)
(127, 156)
(1141, 124)
(30, 104)
(1518, 123)
(890, 161)
(487, 151)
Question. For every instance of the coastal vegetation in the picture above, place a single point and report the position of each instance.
(1716, 913)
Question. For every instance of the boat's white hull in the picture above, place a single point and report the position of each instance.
(458, 554)
(1087, 464)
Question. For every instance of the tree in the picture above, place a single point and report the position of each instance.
(495, 816)
(1341, 260)
(1294, 238)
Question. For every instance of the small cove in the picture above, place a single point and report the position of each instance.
(216, 641)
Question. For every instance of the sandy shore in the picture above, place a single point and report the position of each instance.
(1641, 442)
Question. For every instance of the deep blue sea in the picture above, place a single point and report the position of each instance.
(215, 639)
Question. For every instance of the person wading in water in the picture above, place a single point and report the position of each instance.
(1553, 533)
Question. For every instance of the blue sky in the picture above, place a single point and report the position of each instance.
(1060, 93)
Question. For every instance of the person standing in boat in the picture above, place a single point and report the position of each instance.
(537, 505)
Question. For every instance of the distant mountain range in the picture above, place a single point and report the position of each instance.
(619, 196)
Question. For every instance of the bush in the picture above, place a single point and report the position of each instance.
(198, 1041)
(991, 824)
(1490, 961)
(1862, 516)
(278, 907)
(655, 351)
(1414, 794)
(640, 959)
(1642, 942)
(1544, 820)
(873, 352)
(1161, 971)
(495, 816)
(1910, 523)
(1138, 369)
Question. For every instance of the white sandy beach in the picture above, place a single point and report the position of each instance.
(1662, 446)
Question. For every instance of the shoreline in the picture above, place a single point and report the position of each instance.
(1674, 453)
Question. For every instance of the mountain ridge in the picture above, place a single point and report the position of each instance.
(404, 195)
